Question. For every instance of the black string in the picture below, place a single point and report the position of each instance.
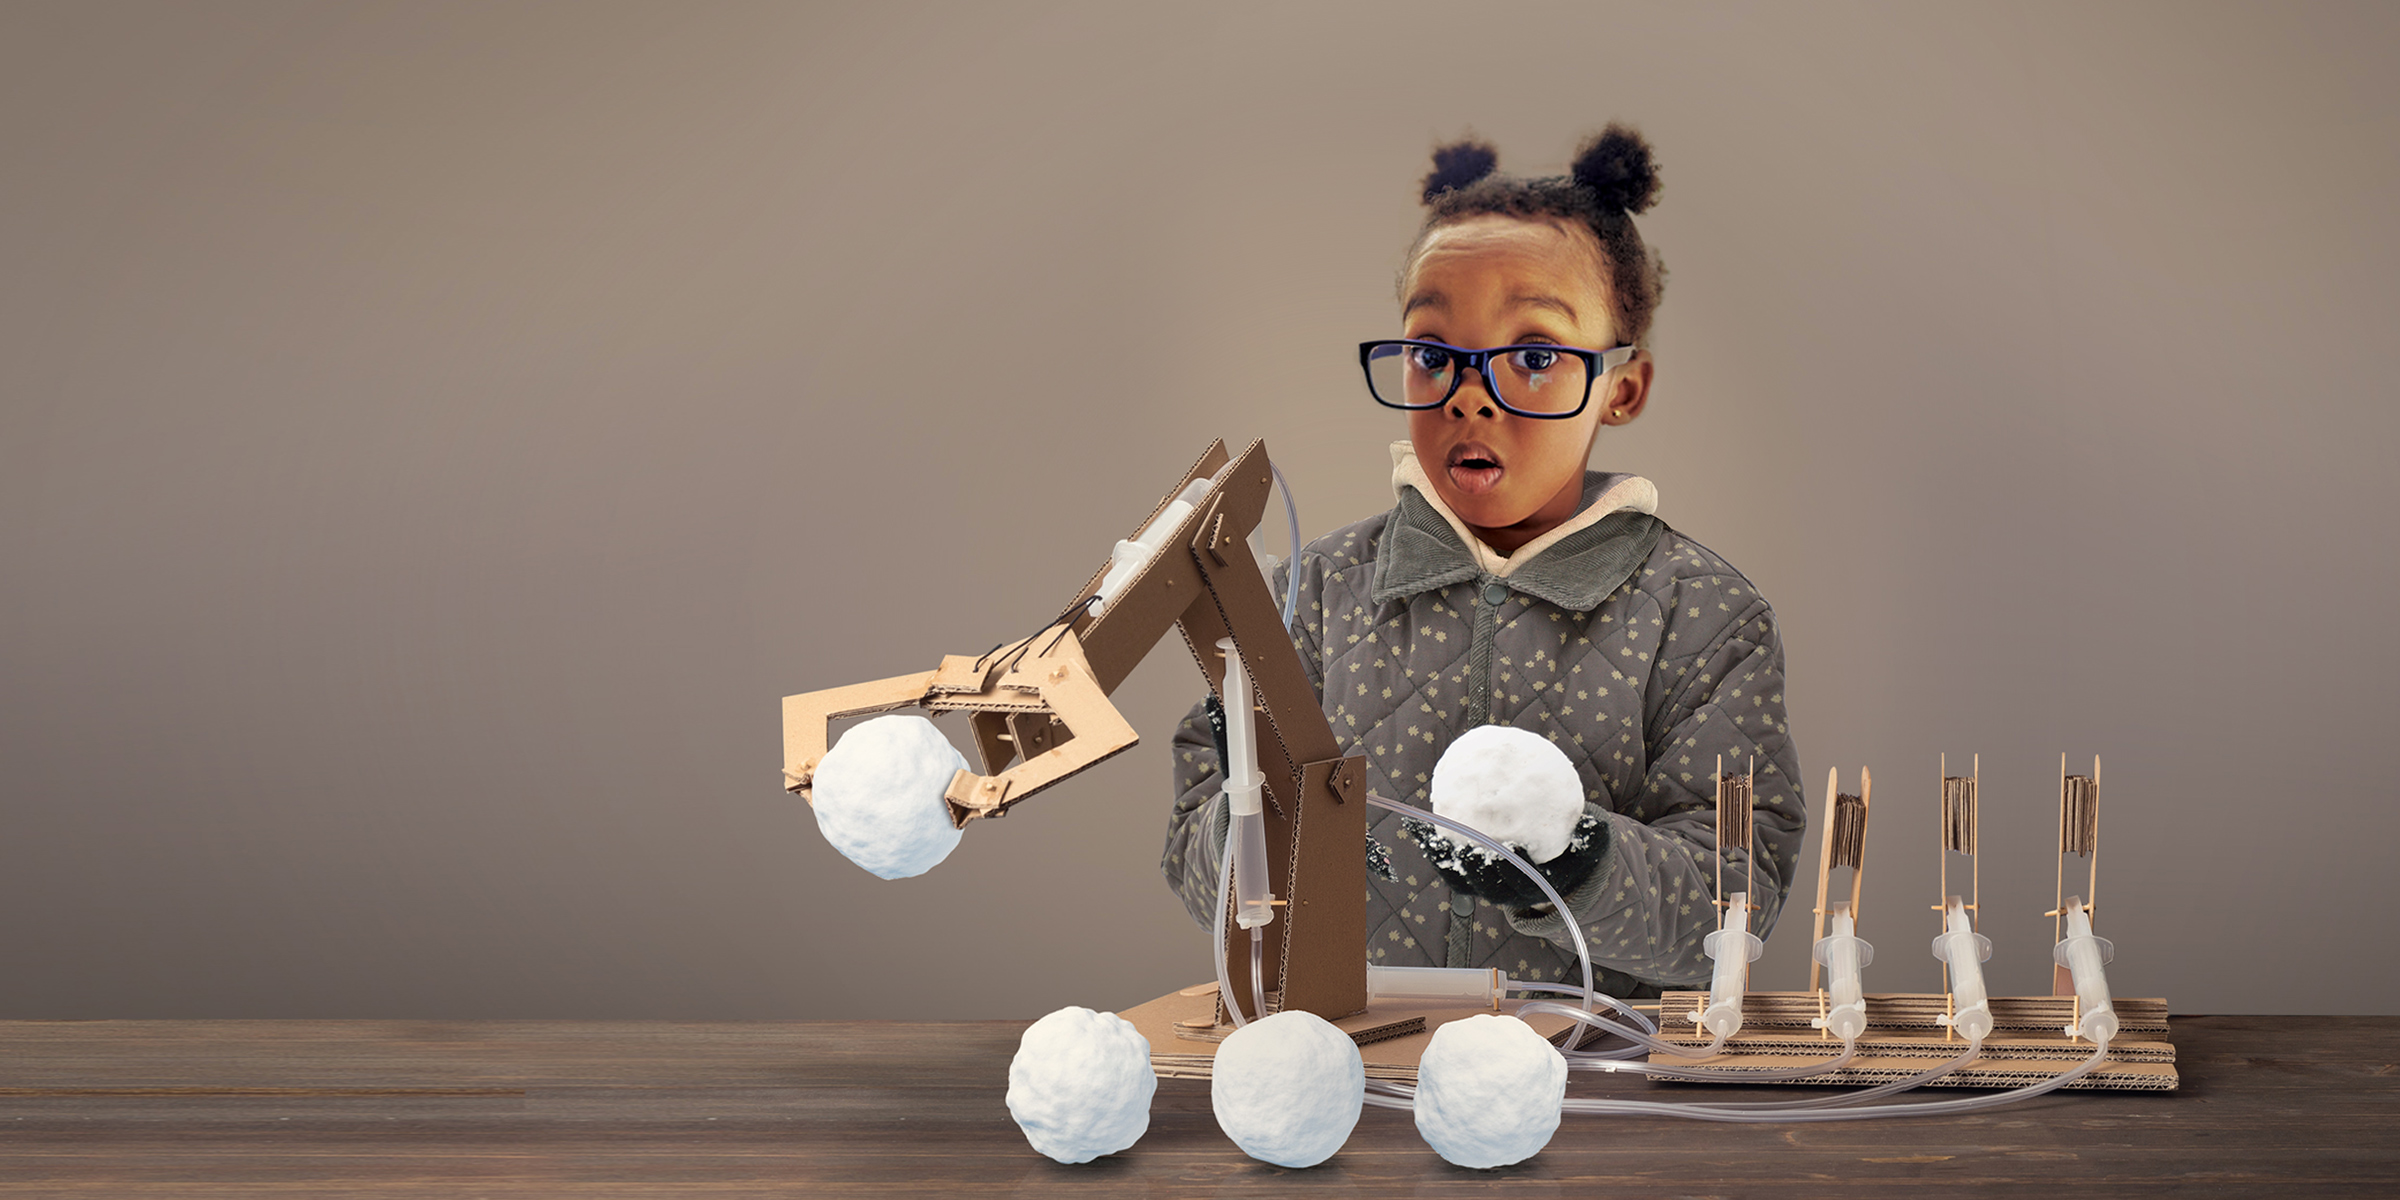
(1063, 622)
(1066, 622)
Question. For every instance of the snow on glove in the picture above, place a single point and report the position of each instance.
(1479, 872)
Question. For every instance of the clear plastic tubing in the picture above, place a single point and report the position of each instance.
(1965, 951)
(1735, 948)
(1629, 1012)
(1721, 1075)
(2085, 955)
(1844, 954)
(1853, 1111)
(1258, 971)
(1558, 904)
(1850, 1098)
(1291, 574)
(1247, 840)
(1224, 980)
(1640, 1039)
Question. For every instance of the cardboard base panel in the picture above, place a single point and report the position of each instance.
(2028, 1046)
(2028, 1043)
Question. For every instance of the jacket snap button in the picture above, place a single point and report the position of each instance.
(1494, 593)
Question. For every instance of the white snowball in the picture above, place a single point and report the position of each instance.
(1488, 1091)
(878, 795)
(1081, 1083)
(1512, 784)
(1288, 1088)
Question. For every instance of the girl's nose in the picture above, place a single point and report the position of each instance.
(1484, 407)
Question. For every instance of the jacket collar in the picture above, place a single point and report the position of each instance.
(1422, 549)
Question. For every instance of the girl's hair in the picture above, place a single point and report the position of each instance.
(1613, 178)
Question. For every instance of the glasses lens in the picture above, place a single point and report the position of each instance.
(1411, 376)
(1537, 379)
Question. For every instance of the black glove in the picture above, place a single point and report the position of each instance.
(1479, 872)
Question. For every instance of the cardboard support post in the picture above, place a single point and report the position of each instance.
(1316, 798)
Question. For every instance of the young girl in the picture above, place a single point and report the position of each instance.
(1509, 585)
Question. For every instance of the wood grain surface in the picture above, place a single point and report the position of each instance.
(2269, 1105)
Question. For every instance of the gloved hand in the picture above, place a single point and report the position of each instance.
(1478, 872)
(1522, 791)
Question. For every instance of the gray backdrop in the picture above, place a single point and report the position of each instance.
(433, 436)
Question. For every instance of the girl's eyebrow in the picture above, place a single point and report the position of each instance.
(1429, 299)
(1544, 301)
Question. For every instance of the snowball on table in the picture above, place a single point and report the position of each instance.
(1512, 784)
(1081, 1083)
(878, 795)
(1287, 1088)
(1488, 1091)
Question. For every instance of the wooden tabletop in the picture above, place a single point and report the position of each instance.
(2269, 1105)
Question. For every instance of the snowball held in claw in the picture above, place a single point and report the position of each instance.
(1489, 1091)
(878, 795)
(1512, 784)
(1288, 1088)
(1081, 1083)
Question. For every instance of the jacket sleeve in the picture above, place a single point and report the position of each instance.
(1650, 900)
(1196, 826)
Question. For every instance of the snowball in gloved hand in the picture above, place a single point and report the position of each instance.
(1488, 1091)
(878, 795)
(1288, 1088)
(1081, 1083)
(1514, 786)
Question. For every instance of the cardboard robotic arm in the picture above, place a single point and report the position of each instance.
(1039, 712)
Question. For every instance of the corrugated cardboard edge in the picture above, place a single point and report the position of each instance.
(1903, 1041)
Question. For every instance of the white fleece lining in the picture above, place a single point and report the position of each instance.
(1632, 493)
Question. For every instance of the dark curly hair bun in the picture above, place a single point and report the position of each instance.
(1616, 166)
(1460, 163)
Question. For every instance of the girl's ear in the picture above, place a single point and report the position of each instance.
(1628, 391)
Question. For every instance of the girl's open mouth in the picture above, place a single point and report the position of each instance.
(1474, 469)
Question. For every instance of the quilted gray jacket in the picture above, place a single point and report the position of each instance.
(1635, 649)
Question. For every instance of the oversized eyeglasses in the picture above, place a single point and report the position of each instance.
(1540, 380)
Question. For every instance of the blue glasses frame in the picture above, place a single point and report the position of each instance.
(1596, 363)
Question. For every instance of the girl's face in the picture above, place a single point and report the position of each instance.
(1499, 281)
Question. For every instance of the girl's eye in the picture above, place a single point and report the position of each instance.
(1535, 359)
(1429, 360)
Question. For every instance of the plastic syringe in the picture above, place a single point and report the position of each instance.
(1735, 948)
(1128, 557)
(1844, 954)
(2085, 955)
(1246, 839)
(1965, 951)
